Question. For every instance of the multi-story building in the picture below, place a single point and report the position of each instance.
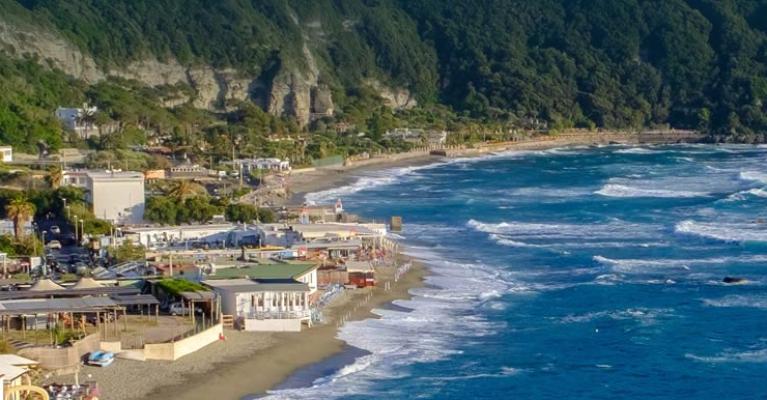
(116, 196)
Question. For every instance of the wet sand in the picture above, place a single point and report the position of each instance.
(252, 363)
(267, 367)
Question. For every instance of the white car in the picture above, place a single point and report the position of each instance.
(55, 229)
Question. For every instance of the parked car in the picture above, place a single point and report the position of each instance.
(54, 245)
(180, 309)
(55, 229)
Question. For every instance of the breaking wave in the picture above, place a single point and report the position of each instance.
(442, 311)
(618, 190)
(731, 356)
(728, 232)
(641, 265)
(639, 150)
(737, 300)
(754, 176)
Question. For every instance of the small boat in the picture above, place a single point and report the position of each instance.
(101, 358)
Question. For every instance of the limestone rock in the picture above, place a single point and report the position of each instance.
(396, 98)
(19, 39)
(206, 84)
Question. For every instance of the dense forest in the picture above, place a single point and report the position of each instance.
(696, 64)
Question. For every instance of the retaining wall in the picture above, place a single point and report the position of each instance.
(174, 350)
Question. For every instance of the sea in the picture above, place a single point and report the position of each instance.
(571, 273)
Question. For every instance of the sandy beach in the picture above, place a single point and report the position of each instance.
(252, 363)
(246, 363)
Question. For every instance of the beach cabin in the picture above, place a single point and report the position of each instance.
(361, 273)
(269, 305)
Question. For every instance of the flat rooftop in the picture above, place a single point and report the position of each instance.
(249, 285)
(268, 271)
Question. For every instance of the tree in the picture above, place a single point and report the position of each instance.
(55, 176)
(161, 210)
(185, 189)
(20, 210)
(199, 209)
(127, 251)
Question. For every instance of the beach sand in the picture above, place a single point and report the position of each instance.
(252, 363)
(246, 362)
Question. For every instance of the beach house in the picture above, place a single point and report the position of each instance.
(264, 306)
(267, 298)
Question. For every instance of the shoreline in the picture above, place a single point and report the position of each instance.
(291, 352)
(251, 364)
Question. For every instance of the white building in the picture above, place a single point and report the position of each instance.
(116, 196)
(266, 306)
(75, 119)
(153, 235)
(251, 164)
(7, 153)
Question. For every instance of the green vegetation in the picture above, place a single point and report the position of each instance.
(247, 213)
(168, 210)
(475, 67)
(128, 251)
(174, 287)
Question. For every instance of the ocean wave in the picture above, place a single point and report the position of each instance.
(737, 300)
(644, 316)
(612, 231)
(639, 150)
(744, 194)
(727, 232)
(368, 180)
(732, 356)
(443, 313)
(618, 190)
(502, 373)
(641, 265)
(754, 176)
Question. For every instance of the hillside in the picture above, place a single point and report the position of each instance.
(151, 64)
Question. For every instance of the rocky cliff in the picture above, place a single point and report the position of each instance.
(292, 91)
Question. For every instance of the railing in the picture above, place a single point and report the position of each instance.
(279, 314)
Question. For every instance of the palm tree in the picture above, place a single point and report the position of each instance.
(55, 176)
(19, 210)
(185, 189)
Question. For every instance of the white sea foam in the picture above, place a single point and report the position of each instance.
(754, 176)
(502, 373)
(642, 265)
(368, 180)
(612, 231)
(732, 356)
(618, 190)
(738, 300)
(728, 232)
(443, 313)
(644, 316)
(744, 194)
(638, 150)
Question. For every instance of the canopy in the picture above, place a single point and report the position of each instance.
(46, 284)
(86, 283)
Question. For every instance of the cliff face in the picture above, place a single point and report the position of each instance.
(293, 91)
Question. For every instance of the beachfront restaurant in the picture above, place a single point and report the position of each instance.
(267, 305)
